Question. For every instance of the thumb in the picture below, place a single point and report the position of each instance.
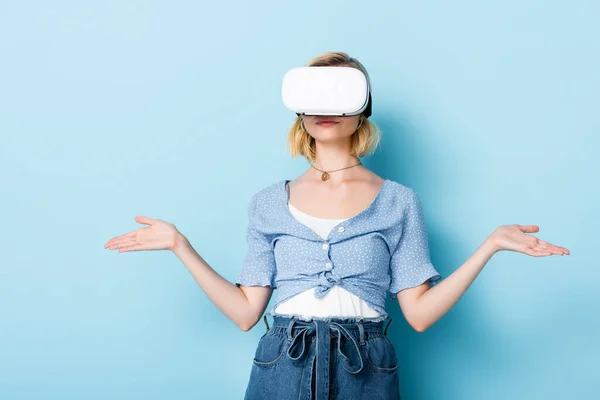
(529, 228)
(144, 220)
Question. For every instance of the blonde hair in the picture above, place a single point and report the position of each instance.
(362, 142)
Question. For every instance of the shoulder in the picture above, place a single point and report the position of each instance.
(401, 206)
(267, 195)
(401, 193)
(401, 203)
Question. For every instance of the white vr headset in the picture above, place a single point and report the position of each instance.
(341, 91)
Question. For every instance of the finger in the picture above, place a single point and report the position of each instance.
(144, 220)
(111, 242)
(135, 247)
(121, 244)
(555, 249)
(544, 250)
(547, 247)
(120, 237)
(559, 248)
(552, 249)
(121, 241)
(537, 253)
(528, 228)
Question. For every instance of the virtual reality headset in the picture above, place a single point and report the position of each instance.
(340, 91)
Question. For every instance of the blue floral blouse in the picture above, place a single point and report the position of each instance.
(383, 249)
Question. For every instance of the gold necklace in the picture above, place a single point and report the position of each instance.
(325, 174)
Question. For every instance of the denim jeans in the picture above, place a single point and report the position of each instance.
(324, 359)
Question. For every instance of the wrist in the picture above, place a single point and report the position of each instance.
(179, 243)
(490, 246)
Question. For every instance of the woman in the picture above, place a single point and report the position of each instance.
(334, 241)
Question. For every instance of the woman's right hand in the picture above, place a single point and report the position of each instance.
(159, 235)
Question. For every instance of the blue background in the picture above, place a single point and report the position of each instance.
(172, 110)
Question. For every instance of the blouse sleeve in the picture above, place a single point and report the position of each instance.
(258, 268)
(410, 263)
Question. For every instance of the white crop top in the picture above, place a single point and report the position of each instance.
(337, 301)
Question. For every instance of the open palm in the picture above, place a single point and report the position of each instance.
(158, 235)
(515, 238)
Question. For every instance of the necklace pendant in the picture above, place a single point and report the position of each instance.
(325, 176)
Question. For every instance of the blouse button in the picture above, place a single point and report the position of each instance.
(325, 246)
(341, 229)
(328, 265)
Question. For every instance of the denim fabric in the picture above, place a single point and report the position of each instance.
(324, 359)
(383, 248)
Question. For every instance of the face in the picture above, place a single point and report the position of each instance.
(328, 128)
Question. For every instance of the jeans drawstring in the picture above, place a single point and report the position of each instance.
(306, 332)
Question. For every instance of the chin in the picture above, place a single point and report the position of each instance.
(334, 137)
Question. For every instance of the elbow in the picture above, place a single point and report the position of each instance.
(417, 321)
(246, 324)
(419, 326)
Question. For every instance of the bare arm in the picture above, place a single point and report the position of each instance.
(423, 306)
(243, 305)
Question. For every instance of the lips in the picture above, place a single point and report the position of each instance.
(327, 121)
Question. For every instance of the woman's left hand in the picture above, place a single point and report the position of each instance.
(515, 238)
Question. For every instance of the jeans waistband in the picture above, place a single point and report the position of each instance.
(349, 323)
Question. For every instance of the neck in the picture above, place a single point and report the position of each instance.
(329, 158)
